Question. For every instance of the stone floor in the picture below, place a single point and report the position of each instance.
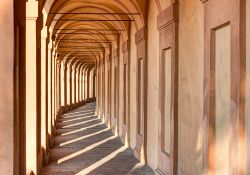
(84, 145)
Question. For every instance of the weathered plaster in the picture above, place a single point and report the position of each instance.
(153, 86)
(191, 56)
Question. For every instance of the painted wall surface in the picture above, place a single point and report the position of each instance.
(121, 83)
(6, 88)
(165, 3)
(190, 101)
(248, 86)
(222, 99)
(133, 106)
(153, 86)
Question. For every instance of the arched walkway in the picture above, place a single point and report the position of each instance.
(125, 87)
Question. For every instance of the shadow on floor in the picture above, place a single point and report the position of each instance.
(84, 145)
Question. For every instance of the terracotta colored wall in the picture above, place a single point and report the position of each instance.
(153, 86)
(133, 106)
(223, 128)
(248, 87)
(191, 58)
(6, 86)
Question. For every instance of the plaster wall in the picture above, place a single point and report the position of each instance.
(248, 85)
(222, 99)
(6, 88)
(133, 105)
(165, 3)
(190, 100)
(121, 84)
(153, 86)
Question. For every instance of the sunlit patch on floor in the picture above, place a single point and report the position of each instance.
(84, 145)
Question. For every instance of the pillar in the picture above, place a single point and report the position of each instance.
(62, 85)
(58, 86)
(73, 85)
(98, 97)
(65, 84)
(80, 84)
(68, 84)
(141, 99)
(43, 89)
(53, 88)
(86, 85)
(31, 86)
(49, 74)
(83, 84)
(77, 85)
(94, 84)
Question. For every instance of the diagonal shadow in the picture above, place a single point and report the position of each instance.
(84, 145)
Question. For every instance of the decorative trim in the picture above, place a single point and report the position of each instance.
(31, 10)
(223, 9)
(141, 138)
(125, 50)
(167, 17)
(141, 35)
(125, 46)
(168, 30)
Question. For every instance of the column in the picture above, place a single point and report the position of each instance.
(80, 84)
(49, 74)
(73, 85)
(86, 85)
(31, 86)
(53, 89)
(97, 88)
(43, 89)
(77, 84)
(65, 85)
(83, 86)
(62, 84)
(68, 84)
(58, 87)
(94, 84)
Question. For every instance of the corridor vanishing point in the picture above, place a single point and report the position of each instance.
(125, 87)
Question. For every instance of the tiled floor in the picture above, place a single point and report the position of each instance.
(84, 145)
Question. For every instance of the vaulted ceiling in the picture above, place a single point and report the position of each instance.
(90, 29)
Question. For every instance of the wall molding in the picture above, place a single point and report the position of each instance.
(168, 31)
(230, 12)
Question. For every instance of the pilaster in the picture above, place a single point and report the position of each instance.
(31, 87)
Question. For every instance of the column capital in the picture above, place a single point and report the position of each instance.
(31, 10)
